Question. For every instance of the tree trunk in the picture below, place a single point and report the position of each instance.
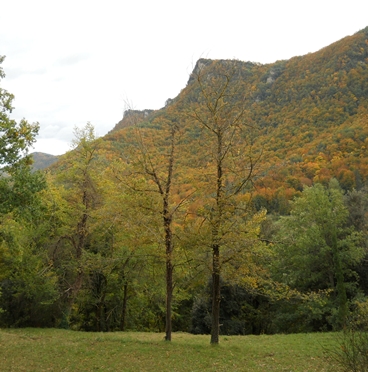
(164, 189)
(99, 317)
(169, 276)
(216, 291)
(71, 295)
(168, 219)
(169, 290)
(341, 290)
(124, 309)
(216, 295)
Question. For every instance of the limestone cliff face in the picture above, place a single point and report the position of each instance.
(132, 117)
(228, 64)
(140, 113)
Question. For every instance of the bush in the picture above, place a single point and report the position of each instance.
(351, 351)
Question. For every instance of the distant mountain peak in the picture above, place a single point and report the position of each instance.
(42, 160)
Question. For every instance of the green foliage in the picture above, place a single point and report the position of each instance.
(17, 185)
(296, 312)
(78, 184)
(15, 138)
(315, 251)
(351, 349)
(19, 191)
(26, 286)
(28, 281)
(243, 311)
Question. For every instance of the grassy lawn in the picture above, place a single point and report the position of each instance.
(59, 350)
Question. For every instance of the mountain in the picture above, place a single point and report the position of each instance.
(311, 113)
(42, 160)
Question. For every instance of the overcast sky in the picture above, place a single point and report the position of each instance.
(73, 62)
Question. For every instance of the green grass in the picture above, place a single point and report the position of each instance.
(59, 350)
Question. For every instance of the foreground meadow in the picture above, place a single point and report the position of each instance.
(61, 350)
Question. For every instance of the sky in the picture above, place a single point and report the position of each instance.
(71, 62)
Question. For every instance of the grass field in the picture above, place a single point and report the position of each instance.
(60, 350)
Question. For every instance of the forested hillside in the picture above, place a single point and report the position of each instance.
(42, 160)
(311, 114)
(240, 207)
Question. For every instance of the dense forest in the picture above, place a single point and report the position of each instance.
(240, 207)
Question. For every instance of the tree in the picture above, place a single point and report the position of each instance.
(28, 281)
(228, 163)
(18, 189)
(357, 205)
(15, 138)
(155, 159)
(78, 180)
(17, 183)
(315, 249)
(122, 259)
